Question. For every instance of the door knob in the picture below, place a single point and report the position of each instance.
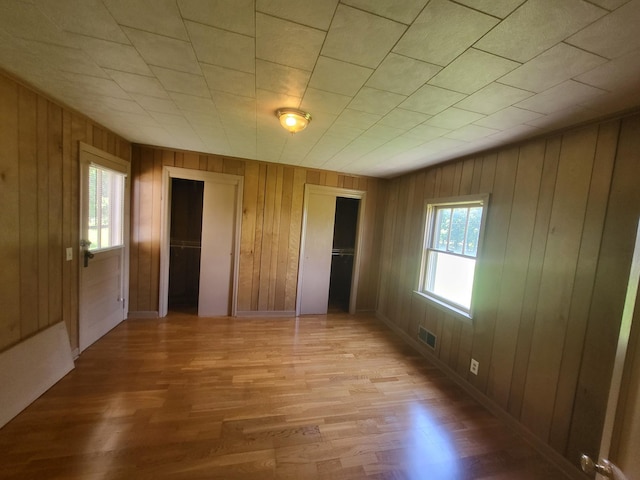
(87, 256)
(591, 468)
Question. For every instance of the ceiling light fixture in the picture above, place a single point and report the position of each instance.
(292, 119)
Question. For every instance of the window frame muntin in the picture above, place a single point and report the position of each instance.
(428, 219)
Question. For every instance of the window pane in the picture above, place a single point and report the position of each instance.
(450, 277)
(441, 229)
(105, 216)
(458, 227)
(473, 231)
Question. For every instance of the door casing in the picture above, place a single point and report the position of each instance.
(210, 178)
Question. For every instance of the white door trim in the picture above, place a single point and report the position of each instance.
(333, 192)
(165, 226)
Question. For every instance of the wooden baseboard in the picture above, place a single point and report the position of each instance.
(133, 315)
(31, 367)
(269, 313)
(543, 448)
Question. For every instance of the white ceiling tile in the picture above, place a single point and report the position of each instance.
(94, 85)
(453, 118)
(64, 59)
(560, 97)
(621, 74)
(115, 56)
(384, 132)
(316, 14)
(183, 82)
(190, 103)
(155, 104)
(223, 48)
(315, 101)
(156, 16)
(122, 105)
(361, 38)
(280, 78)
(231, 81)
(268, 102)
(88, 17)
(404, 11)
(376, 101)
(431, 100)
(427, 132)
(273, 42)
(403, 119)
(356, 119)
(22, 20)
(546, 21)
(552, 67)
(470, 133)
(443, 31)
(133, 83)
(609, 4)
(497, 8)
(507, 117)
(562, 118)
(400, 74)
(234, 15)
(614, 35)
(472, 70)
(169, 119)
(338, 77)
(492, 98)
(164, 51)
(235, 106)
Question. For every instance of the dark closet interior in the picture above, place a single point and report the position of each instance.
(344, 242)
(185, 242)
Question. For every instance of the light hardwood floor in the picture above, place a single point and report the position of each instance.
(323, 397)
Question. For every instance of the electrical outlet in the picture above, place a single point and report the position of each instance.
(474, 366)
(69, 254)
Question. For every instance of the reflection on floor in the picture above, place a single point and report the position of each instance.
(319, 397)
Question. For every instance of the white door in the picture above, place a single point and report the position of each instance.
(216, 255)
(104, 220)
(621, 432)
(220, 242)
(318, 223)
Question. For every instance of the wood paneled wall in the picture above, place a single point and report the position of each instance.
(551, 275)
(39, 214)
(271, 228)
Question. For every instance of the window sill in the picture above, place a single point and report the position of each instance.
(439, 304)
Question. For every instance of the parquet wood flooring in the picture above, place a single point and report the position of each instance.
(327, 397)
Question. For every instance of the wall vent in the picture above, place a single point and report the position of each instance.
(427, 337)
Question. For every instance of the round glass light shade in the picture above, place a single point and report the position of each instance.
(292, 119)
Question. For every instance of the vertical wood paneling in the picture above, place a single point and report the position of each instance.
(27, 126)
(609, 290)
(551, 275)
(558, 275)
(525, 199)
(9, 215)
(273, 198)
(39, 193)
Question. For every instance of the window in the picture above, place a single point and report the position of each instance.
(453, 232)
(106, 189)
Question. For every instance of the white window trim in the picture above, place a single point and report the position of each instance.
(439, 302)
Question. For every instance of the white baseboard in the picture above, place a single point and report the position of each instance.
(543, 448)
(31, 367)
(266, 313)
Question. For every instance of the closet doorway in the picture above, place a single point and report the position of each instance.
(329, 264)
(209, 207)
(185, 244)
